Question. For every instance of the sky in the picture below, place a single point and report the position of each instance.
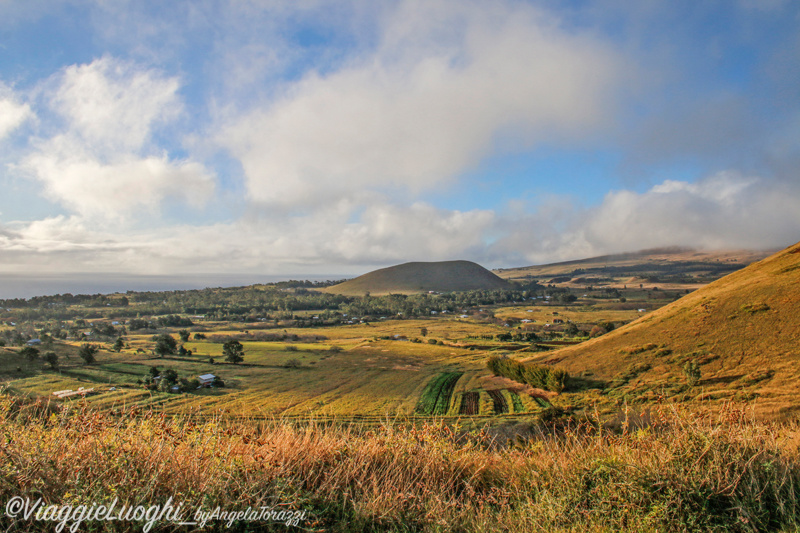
(217, 141)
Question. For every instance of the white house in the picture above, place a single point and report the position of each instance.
(206, 379)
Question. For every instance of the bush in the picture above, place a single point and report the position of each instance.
(692, 371)
(539, 376)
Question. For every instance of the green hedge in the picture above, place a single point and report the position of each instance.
(539, 376)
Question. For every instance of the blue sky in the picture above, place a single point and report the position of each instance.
(311, 138)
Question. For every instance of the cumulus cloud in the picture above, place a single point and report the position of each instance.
(102, 162)
(446, 84)
(113, 105)
(13, 113)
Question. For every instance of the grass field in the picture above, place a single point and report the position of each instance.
(345, 371)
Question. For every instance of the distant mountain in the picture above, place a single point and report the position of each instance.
(656, 266)
(409, 278)
(742, 331)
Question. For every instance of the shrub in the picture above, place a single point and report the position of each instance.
(692, 371)
(539, 376)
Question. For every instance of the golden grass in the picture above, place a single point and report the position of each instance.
(680, 473)
(735, 328)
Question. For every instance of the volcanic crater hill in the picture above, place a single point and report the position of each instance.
(416, 277)
(742, 330)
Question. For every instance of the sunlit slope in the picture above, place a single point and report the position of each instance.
(442, 276)
(742, 330)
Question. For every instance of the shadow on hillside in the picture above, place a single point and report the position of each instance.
(580, 383)
(721, 379)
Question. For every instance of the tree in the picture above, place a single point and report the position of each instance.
(233, 351)
(423, 332)
(170, 376)
(51, 359)
(119, 345)
(184, 335)
(29, 352)
(165, 345)
(87, 352)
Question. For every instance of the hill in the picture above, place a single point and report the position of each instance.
(680, 267)
(742, 331)
(415, 277)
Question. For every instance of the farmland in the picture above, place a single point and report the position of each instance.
(301, 365)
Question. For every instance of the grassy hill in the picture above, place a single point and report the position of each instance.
(415, 277)
(742, 331)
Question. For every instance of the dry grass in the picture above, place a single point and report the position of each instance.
(742, 324)
(683, 473)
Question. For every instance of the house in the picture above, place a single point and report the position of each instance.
(642, 310)
(34, 342)
(206, 379)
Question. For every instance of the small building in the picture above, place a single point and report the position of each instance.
(206, 379)
(34, 342)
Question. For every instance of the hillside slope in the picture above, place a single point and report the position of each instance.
(743, 331)
(408, 278)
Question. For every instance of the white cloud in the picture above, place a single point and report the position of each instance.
(117, 188)
(114, 105)
(103, 163)
(447, 84)
(12, 113)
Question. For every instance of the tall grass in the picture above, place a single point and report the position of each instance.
(682, 473)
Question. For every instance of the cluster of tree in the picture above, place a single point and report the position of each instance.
(539, 376)
(527, 336)
(168, 321)
(32, 354)
(67, 299)
(169, 381)
(601, 329)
